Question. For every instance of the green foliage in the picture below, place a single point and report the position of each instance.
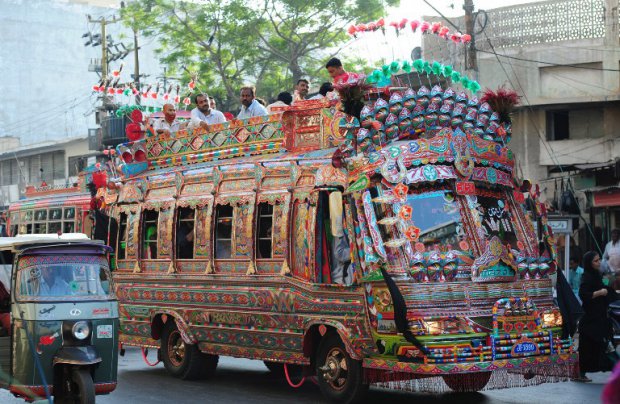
(225, 44)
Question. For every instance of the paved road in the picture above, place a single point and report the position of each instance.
(244, 381)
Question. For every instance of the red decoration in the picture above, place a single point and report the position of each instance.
(187, 101)
(139, 155)
(405, 212)
(381, 23)
(400, 192)
(111, 91)
(96, 88)
(519, 197)
(116, 73)
(413, 233)
(414, 25)
(136, 116)
(177, 99)
(154, 95)
(166, 97)
(119, 91)
(352, 30)
(424, 26)
(133, 131)
(465, 188)
(403, 23)
(435, 27)
(100, 179)
(191, 85)
(127, 156)
(466, 38)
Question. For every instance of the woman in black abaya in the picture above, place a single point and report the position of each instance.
(595, 332)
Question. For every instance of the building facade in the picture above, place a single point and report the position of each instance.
(54, 163)
(563, 59)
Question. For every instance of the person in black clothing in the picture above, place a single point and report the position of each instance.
(3, 229)
(595, 330)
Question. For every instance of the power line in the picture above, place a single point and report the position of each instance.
(574, 66)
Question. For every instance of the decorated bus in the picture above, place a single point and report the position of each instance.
(52, 209)
(231, 242)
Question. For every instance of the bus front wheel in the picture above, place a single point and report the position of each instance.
(340, 377)
(467, 382)
(182, 360)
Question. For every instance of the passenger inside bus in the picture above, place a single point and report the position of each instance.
(223, 231)
(185, 234)
(340, 250)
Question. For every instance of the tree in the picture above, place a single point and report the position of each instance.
(305, 34)
(228, 43)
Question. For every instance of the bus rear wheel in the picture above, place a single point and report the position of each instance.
(467, 382)
(340, 377)
(182, 360)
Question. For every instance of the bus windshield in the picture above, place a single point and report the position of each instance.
(75, 280)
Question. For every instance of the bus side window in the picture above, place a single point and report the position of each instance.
(122, 238)
(264, 230)
(185, 233)
(149, 234)
(223, 231)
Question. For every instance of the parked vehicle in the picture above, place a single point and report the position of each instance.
(59, 318)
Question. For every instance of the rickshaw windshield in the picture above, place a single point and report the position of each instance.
(74, 280)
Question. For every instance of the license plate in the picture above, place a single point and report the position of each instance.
(104, 331)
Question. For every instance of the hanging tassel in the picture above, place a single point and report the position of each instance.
(285, 271)
(251, 269)
(136, 268)
(171, 268)
(209, 270)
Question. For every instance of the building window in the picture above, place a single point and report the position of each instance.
(58, 159)
(223, 231)
(264, 230)
(149, 234)
(76, 165)
(557, 125)
(121, 248)
(185, 233)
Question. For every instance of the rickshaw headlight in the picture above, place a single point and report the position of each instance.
(81, 330)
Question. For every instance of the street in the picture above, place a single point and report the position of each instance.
(247, 381)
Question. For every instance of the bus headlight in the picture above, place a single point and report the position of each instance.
(81, 330)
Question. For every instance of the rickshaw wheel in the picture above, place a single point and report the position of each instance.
(339, 376)
(467, 382)
(182, 360)
(85, 393)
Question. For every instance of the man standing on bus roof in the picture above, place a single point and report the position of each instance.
(337, 72)
(203, 115)
(249, 106)
(168, 125)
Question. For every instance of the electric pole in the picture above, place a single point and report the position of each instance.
(104, 44)
(470, 50)
(136, 73)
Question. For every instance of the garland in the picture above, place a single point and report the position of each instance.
(424, 67)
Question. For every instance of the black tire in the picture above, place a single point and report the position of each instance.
(84, 388)
(295, 372)
(182, 360)
(340, 377)
(467, 382)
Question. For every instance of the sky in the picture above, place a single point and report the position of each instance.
(380, 48)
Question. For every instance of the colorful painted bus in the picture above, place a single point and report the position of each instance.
(229, 242)
(51, 209)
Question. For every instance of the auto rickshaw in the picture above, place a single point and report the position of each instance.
(58, 318)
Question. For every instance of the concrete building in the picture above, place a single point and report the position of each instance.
(55, 163)
(563, 59)
(46, 84)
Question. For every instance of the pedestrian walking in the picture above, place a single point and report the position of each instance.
(596, 351)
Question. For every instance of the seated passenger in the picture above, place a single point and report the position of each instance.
(168, 125)
(203, 115)
(52, 283)
(283, 101)
(249, 106)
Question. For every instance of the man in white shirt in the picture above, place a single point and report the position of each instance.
(284, 100)
(325, 88)
(301, 90)
(168, 125)
(203, 115)
(249, 106)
